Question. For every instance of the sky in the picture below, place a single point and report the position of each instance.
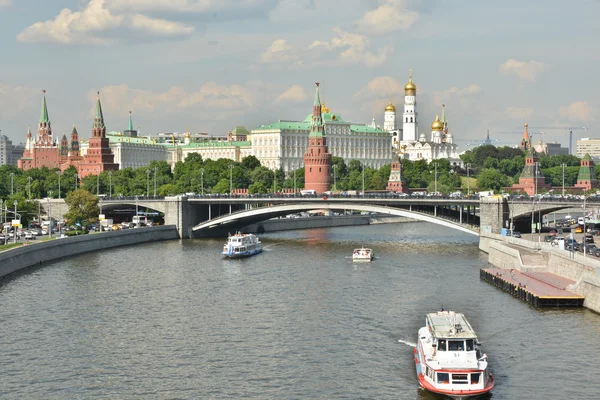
(211, 65)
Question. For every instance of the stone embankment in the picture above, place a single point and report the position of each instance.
(36, 253)
(526, 256)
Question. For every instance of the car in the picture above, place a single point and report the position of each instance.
(29, 235)
(514, 234)
(587, 248)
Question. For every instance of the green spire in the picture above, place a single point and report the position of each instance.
(130, 127)
(317, 98)
(443, 113)
(316, 126)
(44, 113)
(99, 119)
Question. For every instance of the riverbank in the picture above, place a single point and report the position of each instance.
(25, 256)
(526, 256)
(288, 224)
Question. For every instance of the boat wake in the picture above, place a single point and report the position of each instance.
(406, 342)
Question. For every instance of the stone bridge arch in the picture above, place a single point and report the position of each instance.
(237, 220)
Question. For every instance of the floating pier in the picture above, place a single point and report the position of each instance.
(540, 289)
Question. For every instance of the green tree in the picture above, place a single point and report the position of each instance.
(221, 187)
(83, 207)
(250, 162)
(491, 179)
(257, 187)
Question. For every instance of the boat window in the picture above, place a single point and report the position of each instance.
(469, 344)
(460, 378)
(475, 378)
(441, 345)
(456, 345)
(443, 377)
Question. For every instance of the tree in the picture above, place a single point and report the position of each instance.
(250, 162)
(83, 207)
(483, 152)
(221, 187)
(491, 179)
(257, 187)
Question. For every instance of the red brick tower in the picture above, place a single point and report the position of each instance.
(99, 157)
(397, 182)
(317, 160)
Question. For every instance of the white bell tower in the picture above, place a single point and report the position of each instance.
(410, 117)
(389, 118)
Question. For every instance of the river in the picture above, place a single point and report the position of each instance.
(173, 320)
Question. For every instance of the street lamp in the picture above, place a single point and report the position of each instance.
(155, 170)
(15, 228)
(137, 218)
(563, 165)
(230, 179)
(29, 187)
(110, 184)
(148, 183)
(274, 181)
(59, 174)
(12, 178)
(435, 165)
(202, 179)
(583, 241)
(363, 180)
(468, 165)
(98, 184)
(335, 177)
(294, 182)
(1, 221)
(49, 217)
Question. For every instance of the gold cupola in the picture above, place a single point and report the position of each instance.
(390, 107)
(437, 125)
(410, 89)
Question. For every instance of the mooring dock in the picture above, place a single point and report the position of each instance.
(540, 289)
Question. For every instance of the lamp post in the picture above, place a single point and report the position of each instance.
(583, 241)
(435, 165)
(202, 179)
(1, 216)
(49, 217)
(230, 179)
(155, 171)
(294, 182)
(363, 180)
(59, 174)
(468, 165)
(335, 177)
(12, 178)
(137, 218)
(563, 165)
(148, 183)
(274, 181)
(15, 235)
(76, 181)
(110, 184)
(98, 184)
(29, 187)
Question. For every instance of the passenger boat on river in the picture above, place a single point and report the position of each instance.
(448, 357)
(242, 245)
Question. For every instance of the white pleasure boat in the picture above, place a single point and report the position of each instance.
(448, 357)
(362, 255)
(242, 245)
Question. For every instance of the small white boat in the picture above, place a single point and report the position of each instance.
(448, 357)
(242, 245)
(362, 255)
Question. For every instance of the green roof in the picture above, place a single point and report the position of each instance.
(366, 129)
(587, 173)
(286, 125)
(44, 113)
(240, 130)
(326, 117)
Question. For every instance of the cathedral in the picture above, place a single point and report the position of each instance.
(414, 146)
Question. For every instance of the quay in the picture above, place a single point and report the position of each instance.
(540, 289)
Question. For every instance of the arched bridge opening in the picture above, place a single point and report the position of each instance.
(231, 222)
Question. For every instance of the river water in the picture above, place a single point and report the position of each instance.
(174, 320)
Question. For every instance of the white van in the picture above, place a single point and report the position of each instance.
(308, 192)
(581, 221)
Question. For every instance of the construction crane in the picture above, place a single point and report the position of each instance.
(563, 128)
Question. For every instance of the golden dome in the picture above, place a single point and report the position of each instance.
(437, 125)
(187, 135)
(324, 109)
(390, 107)
(410, 88)
(526, 125)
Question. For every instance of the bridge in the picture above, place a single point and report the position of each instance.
(216, 215)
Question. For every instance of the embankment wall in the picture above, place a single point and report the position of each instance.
(289, 224)
(37, 253)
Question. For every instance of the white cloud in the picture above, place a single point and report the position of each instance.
(526, 71)
(208, 98)
(280, 52)
(16, 99)
(353, 49)
(519, 113)
(92, 25)
(294, 94)
(182, 6)
(389, 16)
(579, 111)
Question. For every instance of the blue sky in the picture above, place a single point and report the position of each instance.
(209, 65)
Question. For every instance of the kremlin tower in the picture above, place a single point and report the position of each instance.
(99, 157)
(44, 152)
(409, 118)
(317, 159)
(526, 141)
(397, 182)
(586, 179)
